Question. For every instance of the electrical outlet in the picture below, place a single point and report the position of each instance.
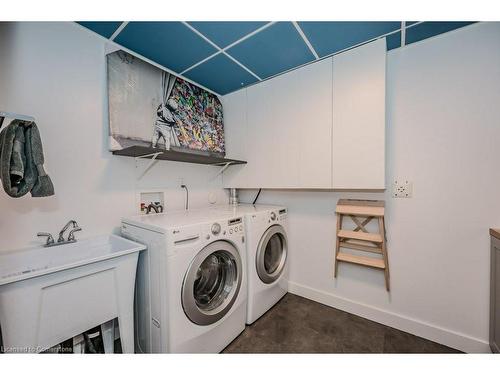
(402, 188)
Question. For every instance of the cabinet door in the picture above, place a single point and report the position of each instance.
(235, 133)
(359, 117)
(289, 129)
(313, 121)
(272, 142)
(259, 146)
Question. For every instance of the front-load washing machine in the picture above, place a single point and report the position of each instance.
(191, 282)
(267, 255)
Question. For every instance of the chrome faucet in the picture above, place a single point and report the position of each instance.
(60, 241)
(71, 236)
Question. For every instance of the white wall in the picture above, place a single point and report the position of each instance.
(443, 133)
(56, 72)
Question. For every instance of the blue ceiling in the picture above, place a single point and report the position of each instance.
(171, 44)
(274, 50)
(221, 72)
(225, 33)
(425, 30)
(226, 56)
(347, 34)
(106, 29)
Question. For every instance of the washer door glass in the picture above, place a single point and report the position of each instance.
(271, 254)
(212, 283)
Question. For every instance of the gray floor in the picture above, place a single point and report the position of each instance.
(298, 325)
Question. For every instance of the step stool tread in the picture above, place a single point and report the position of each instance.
(364, 261)
(360, 210)
(372, 237)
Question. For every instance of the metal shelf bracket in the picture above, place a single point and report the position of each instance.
(152, 162)
(224, 167)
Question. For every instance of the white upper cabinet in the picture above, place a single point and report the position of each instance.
(317, 127)
(359, 117)
(288, 131)
(313, 119)
(272, 141)
(235, 134)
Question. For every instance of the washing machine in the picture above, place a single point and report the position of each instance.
(191, 281)
(267, 255)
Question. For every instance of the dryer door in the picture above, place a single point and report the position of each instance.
(212, 283)
(271, 254)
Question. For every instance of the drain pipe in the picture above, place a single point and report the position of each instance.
(233, 196)
(187, 196)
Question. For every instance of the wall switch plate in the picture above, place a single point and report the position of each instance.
(402, 188)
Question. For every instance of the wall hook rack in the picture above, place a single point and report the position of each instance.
(15, 116)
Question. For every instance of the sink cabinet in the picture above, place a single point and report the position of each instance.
(47, 303)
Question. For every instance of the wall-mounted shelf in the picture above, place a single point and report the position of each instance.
(156, 154)
(185, 157)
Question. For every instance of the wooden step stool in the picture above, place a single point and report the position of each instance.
(361, 213)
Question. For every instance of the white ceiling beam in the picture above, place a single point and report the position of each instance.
(201, 35)
(330, 55)
(243, 66)
(403, 33)
(143, 58)
(306, 41)
(413, 24)
(249, 35)
(119, 30)
(221, 50)
(201, 62)
(405, 27)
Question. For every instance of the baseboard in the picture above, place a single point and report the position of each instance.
(428, 331)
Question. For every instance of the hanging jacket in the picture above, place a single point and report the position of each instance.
(21, 161)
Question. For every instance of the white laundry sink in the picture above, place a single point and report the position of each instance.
(50, 294)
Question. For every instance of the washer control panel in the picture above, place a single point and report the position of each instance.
(236, 221)
(235, 226)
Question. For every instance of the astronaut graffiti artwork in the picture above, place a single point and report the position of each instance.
(165, 125)
(153, 108)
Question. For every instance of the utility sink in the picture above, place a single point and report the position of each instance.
(17, 265)
(50, 294)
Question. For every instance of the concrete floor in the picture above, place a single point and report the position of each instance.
(299, 325)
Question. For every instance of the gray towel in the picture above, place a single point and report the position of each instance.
(21, 161)
(43, 184)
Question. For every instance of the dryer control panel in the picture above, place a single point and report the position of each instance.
(278, 215)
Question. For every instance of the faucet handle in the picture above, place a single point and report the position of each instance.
(72, 223)
(50, 239)
(71, 236)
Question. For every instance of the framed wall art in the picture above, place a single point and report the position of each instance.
(153, 108)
